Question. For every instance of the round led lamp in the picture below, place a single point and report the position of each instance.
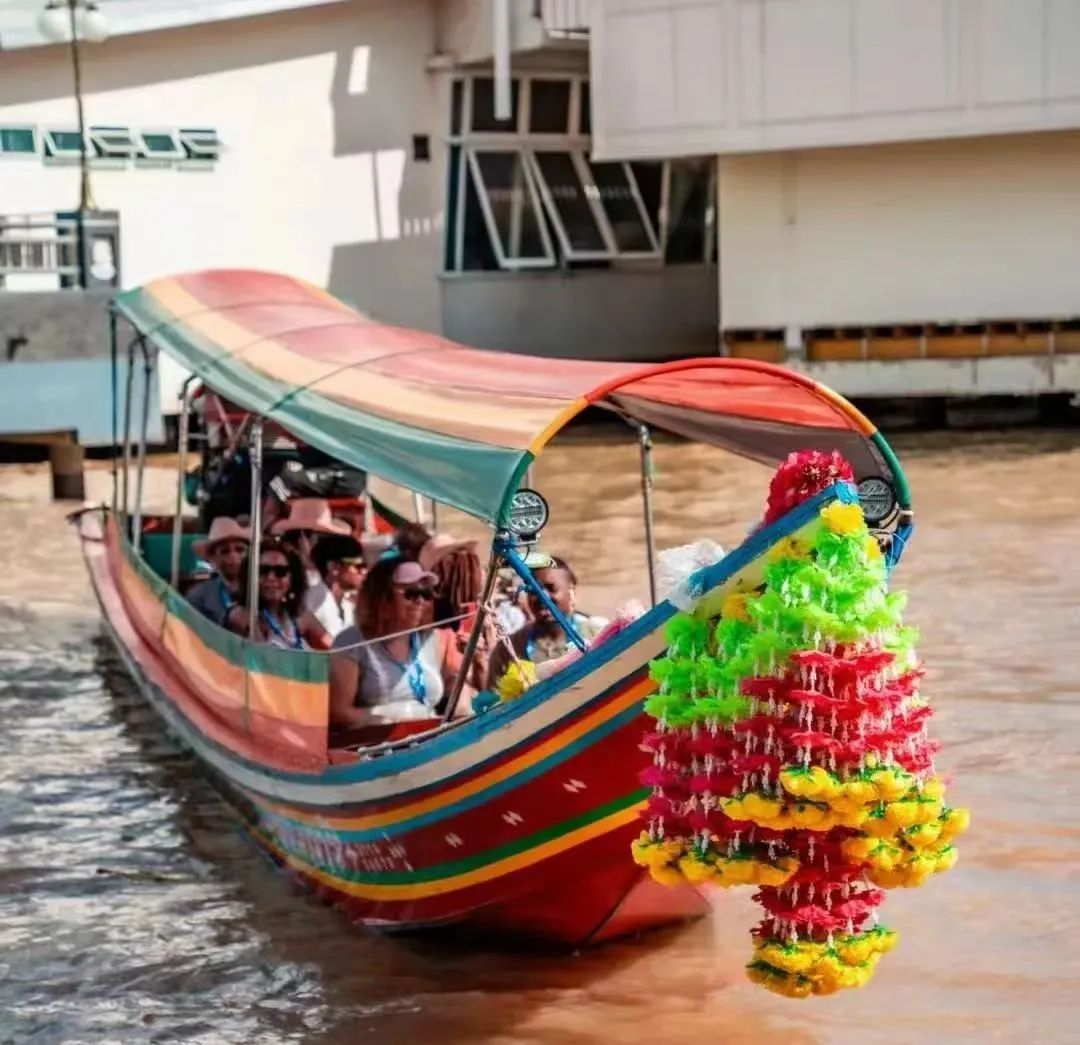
(528, 514)
(877, 500)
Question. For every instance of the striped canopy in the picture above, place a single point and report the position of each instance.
(459, 424)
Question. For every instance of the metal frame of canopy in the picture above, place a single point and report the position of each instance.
(240, 329)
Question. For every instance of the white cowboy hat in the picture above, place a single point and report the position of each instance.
(221, 529)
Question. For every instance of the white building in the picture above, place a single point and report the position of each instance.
(898, 179)
(355, 144)
(891, 187)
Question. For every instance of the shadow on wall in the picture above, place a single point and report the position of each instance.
(645, 315)
(390, 269)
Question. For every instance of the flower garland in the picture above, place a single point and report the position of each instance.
(790, 750)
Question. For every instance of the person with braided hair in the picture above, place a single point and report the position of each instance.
(460, 582)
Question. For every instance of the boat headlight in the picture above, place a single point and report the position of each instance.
(528, 514)
(877, 499)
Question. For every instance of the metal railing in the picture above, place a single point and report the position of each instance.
(564, 19)
(38, 245)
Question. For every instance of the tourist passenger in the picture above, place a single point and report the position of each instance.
(407, 672)
(226, 548)
(409, 539)
(543, 638)
(200, 571)
(333, 583)
(460, 579)
(281, 620)
(311, 517)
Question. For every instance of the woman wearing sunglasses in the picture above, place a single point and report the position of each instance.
(408, 672)
(281, 621)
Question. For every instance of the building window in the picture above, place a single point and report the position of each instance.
(524, 192)
(483, 118)
(62, 145)
(549, 106)
(114, 143)
(18, 141)
(160, 145)
(200, 143)
(511, 208)
(620, 197)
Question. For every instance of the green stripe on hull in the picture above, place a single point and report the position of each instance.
(457, 867)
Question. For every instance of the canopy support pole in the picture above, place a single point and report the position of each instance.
(500, 33)
(255, 452)
(418, 508)
(645, 442)
(514, 560)
(474, 637)
(114, 371)
(129, 380)
(178, 520)
(148, 369)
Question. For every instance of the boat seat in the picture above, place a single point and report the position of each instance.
(157, 551)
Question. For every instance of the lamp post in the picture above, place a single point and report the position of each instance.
(70, 21)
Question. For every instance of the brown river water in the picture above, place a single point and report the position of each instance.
(133, 909)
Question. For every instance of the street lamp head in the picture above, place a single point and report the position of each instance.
(92, 24)
(53, 23)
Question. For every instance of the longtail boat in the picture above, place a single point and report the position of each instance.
(518, 820)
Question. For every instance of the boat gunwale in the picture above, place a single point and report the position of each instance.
(411, 753)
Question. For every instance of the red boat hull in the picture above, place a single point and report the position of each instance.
(518, 828)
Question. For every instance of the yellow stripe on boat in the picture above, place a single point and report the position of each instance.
(498, 869)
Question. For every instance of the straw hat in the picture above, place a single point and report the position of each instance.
(221, 529)
(441, 545)
(311, 514)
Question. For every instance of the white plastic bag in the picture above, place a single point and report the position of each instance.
(674, 567)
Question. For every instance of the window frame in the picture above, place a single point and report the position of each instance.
(50, 151)
(18, 154)
(643, 212)
(145, 153)
(106, 151)
(578, 146)
(571, 253)
(549, 260)
(189, 138)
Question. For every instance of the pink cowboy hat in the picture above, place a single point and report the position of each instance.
(311, 514)
(441, 545)
(221, 529)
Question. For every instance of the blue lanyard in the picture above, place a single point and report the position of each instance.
(226, 599)
(296, 642)
(415, 670)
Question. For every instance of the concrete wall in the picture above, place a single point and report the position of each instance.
(1004, 376)
(646, 315)
(692, 77)
(316, 109)
(60, 324)
(971, 229)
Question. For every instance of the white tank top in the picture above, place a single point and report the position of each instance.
(419, 680)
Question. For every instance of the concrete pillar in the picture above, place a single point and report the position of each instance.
(66, 469)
